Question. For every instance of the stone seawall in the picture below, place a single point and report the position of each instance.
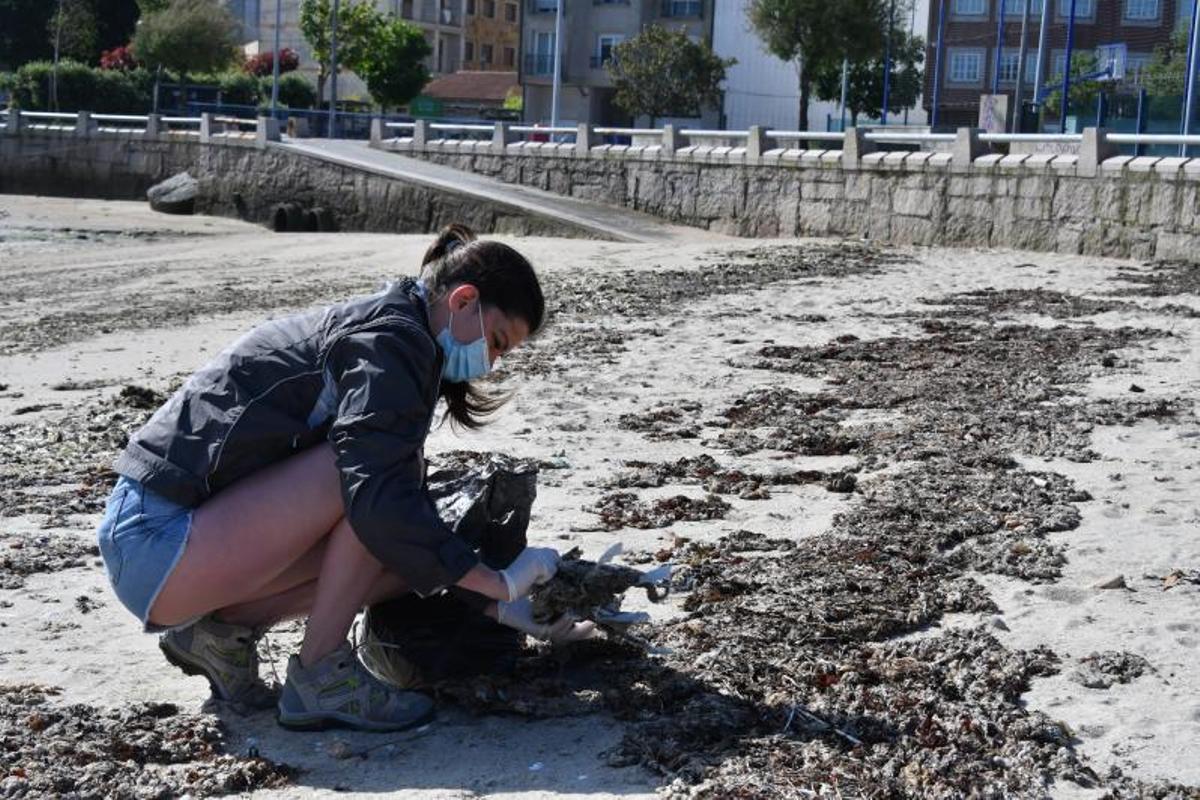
(1116, 206)
(242, 179)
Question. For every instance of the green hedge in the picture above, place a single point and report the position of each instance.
(84, 88)
(80, 87)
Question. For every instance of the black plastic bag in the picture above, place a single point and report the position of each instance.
(412, 641)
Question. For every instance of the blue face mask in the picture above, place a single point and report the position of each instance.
(464, 362)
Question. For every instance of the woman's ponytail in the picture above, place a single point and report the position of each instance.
(505, 280)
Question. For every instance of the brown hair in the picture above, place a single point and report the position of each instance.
(505, 280)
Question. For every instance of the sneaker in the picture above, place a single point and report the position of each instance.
(338, 691)
(226, 654)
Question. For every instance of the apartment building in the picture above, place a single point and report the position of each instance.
(1132, 28)
(492, 35)
(591, 29)
(441, 21)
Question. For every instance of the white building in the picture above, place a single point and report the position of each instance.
(763, 90)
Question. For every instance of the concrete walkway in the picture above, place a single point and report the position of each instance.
(606, 222)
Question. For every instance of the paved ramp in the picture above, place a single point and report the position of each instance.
(606, 222)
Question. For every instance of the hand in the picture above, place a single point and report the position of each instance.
(518, 615)
(535, 565)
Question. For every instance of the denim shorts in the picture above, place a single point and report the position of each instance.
(142, 538)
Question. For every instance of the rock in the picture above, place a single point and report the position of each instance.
(1113, 583)
(175, 195)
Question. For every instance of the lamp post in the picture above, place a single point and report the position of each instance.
(333, 70)
(937, 65)
(275, 58)
(887, 63)
(1066, 84)
(556, 82)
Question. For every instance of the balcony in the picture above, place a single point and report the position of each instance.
(600, 62)
(545, 6)
(682, 8)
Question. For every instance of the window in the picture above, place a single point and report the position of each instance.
(485, 54)
(510, 12)
(1008, 66)
(965, 67)
(605, 43)
(489, 9)
(540, 58)
(1057, 65)
(468, 51)
(470, 8)
(406, 9)
(970, 8)
(1017, 7)
(1084, 9)
(510, 57)
(1141, 10)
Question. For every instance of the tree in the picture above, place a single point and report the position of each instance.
(394, 64)
(72, 30)
(864, 91)
(358, 26)
(187, 36)
(115, 21)
(1165, 73)
(820, 34)
(1083, 93)
(662, 73)
(149, 7)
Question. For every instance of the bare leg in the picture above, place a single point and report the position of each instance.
(246, 537)
(298, 601)
(347, 575)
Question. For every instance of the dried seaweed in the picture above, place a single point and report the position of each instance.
(625, 510)
(1102, 670)
(149, 750)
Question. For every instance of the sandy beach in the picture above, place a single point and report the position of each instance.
(934, 516)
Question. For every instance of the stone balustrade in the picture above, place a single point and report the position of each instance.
(965, 193)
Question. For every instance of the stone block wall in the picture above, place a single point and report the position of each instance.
(1132, 208)
(240, 178)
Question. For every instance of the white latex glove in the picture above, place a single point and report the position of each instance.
(535, 565)
(518, 615)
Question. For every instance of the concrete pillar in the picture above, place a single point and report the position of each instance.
(502, 137)
(377, 131)
(267, 130)
(967, 148)
(12, 122)
(669, 141)
(297, 127)
(83, 124)
(756, 142)
(855, 145)
(154, 125)
(207, 127)
(585, 140)
(420, 133)
(1093, 151)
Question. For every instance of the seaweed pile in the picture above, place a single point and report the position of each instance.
(63, 466)
(149, 750)
(717, 479)
(814, 665)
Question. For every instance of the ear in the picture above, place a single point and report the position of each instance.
(462, 297)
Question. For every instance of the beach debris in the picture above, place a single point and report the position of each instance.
(1116, 582)
(1103, 669)
(594, 590)
(1179, 576)
(624, 510)
(50, 749)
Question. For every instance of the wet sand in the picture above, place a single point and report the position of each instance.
(887, 457)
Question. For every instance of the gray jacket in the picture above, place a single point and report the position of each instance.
(363, 375)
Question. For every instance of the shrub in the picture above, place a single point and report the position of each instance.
(238, 88)
(80, 88)
(295, 91)
(264, 63)
(120, 58)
